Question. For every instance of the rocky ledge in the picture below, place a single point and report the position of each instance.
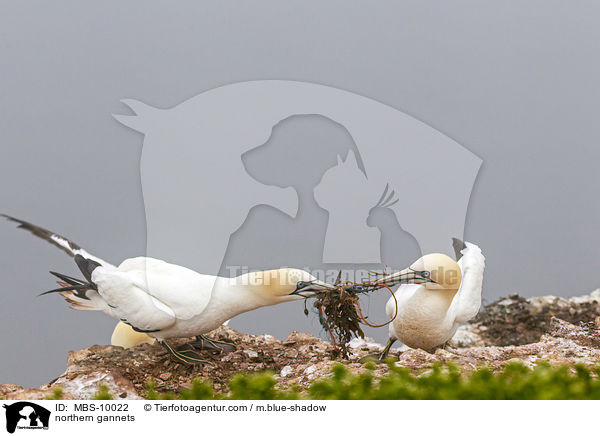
(551, 329)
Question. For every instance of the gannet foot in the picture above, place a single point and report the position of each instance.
(204, 343)
(370, 358)
(448, 348)
(445, 346)
(381, 357)
(187, 356)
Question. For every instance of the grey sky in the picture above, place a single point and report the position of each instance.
(513, 82)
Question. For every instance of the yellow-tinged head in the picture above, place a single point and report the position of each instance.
(434, 271)
(126, 337)
(284, 284)
(441, 270)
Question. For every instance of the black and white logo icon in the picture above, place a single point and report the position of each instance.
(26, 415)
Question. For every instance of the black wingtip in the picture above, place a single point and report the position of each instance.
(458, 246)
(87, 266)
(46, 235)
(16, 220)
(11, 218)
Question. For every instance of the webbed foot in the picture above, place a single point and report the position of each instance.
(204, 343)
(187, 356)
(381, 357)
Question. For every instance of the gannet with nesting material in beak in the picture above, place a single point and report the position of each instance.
(437, 295)
(164, 300)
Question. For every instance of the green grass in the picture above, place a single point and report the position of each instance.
(514, 382)
(57, 394)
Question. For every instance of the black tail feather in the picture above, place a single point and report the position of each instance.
(67, 288)
(80, 287)
(68, 279)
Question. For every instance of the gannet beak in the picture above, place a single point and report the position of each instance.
(407, 275)
(312, 288)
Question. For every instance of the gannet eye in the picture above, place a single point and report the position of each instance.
(425, 274)
(301, 285)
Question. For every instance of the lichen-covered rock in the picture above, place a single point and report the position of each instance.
(9, 389)
(515, 320)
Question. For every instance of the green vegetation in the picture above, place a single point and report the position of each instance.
(57, 394)
(514, 381)
(102, 394)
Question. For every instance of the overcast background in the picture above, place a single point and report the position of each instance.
(514, 82)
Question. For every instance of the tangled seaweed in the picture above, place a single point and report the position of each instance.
(340, 313)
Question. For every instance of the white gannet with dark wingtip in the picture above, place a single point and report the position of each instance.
(164, 300)
(437, 295)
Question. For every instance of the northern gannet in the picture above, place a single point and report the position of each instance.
(164, 300)
(437, 295)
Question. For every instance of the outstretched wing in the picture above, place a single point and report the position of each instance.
(467, 301)
(69, 247)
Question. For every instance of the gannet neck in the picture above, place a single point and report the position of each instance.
(442, 297)
(233, 296)
(230, 298)
(278, 285)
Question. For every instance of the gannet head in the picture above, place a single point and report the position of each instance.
(285, 284)
(126, 337)
(435, 271)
